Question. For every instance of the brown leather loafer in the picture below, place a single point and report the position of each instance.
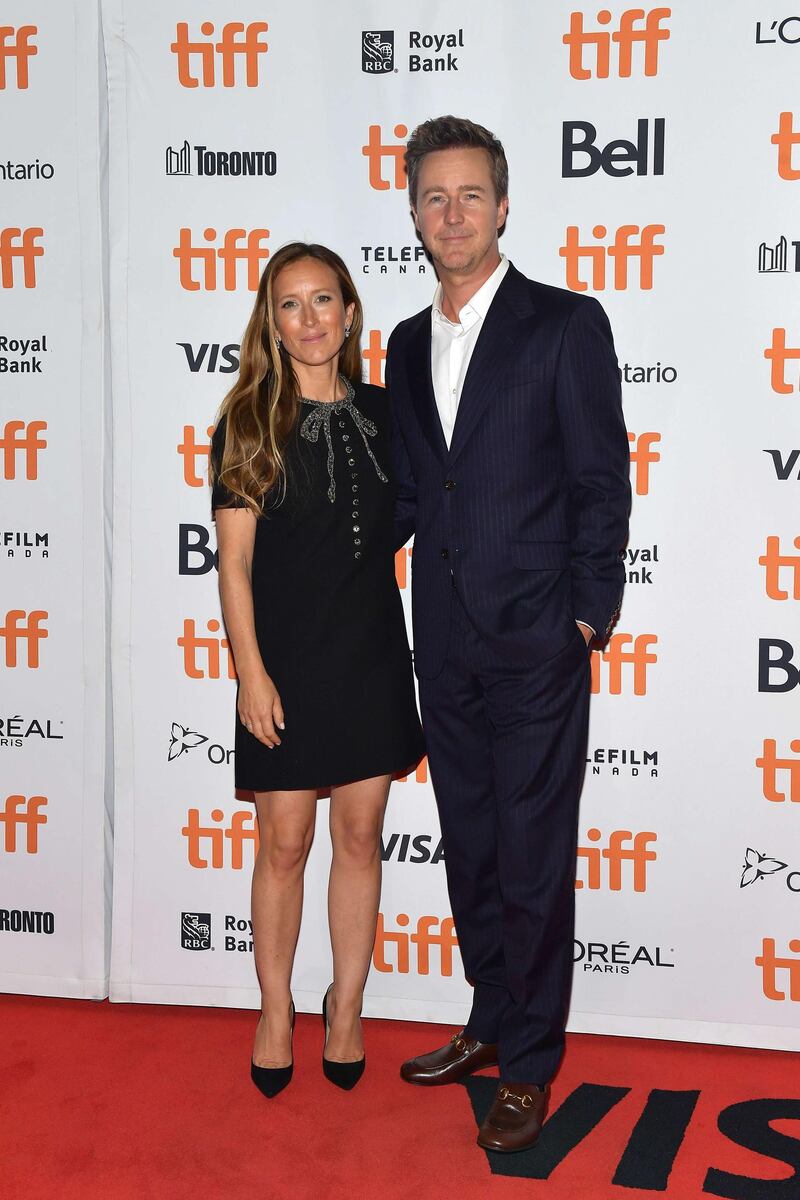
(459, 1058)
(515, 1119)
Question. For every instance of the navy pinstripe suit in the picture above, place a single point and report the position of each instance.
(517, 532)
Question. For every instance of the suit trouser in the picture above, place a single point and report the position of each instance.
(507, 748)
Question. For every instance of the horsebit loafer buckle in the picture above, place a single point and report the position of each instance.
(525, 1100)
(458, 1042)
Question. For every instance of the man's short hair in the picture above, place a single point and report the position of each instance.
(454, 133)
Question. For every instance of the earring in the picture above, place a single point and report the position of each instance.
(277, 341)
(347, 331)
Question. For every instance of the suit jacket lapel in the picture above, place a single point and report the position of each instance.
(421, 384)
(496, 343)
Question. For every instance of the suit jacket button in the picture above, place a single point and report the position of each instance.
(449, 484)
(443, 553)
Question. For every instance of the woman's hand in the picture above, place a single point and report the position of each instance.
(260, 709)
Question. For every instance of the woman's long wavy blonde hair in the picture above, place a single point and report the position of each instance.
(262, 407)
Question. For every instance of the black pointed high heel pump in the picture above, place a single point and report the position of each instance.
(271, 1080)
(344, 1074)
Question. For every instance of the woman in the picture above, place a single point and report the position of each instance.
(303, 504)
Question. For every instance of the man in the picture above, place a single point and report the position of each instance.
(513, 475)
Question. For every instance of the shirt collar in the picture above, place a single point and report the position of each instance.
(477, 306)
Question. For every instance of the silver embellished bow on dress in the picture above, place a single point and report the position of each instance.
(320, 418)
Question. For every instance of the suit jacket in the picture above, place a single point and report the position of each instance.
(527, 511)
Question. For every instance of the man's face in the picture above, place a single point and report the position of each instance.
(457, 213)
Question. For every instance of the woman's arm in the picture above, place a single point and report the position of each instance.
(259, 703)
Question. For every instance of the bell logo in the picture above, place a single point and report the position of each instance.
(26, 812)
(773, 562)
(615, 855)
(16, 44)
(19, 244)
(778, 353)
(642, 455)
(212, 839)
(616, 655)
(769, 764)
(231, 252)
(375, 357)
(620, 251)
(376, 151)
(26, 627)
(786, 139)
(771, 964)
(769, 662)
(191, 451)
(238, 42)
(635, 26)
(21, 438)
(430, 931)
(208, 648)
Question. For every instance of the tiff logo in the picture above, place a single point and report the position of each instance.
(19, 244)
(778, 354)
(774, 562)
(636, 27)
(205, 649)
(15, 44)
(228, 51)
(621, 251)
(27, 628)
(192, 451)
(374, 355)
(430, 931)
(21, 813)
(376, 151)
(615, 855)
(642, 455)
(769, 764)
(21, 438)
(771, 964)
(617, 655)
(203, 840)
(231, 252)
(786, 139)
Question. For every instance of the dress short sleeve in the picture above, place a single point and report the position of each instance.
(220, 496)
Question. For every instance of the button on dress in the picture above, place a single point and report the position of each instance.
(328, 614)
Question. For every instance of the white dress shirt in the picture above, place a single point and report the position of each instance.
(452, 345)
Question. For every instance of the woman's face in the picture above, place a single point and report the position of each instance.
(310, 314)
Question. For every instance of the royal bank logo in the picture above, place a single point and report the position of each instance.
(377, 51)
(196, 930)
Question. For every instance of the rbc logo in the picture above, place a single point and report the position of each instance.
(377, 51)
(578, 138)
(775, 658)
(230, 49)
(196, 931)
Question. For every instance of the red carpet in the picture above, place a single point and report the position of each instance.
(155, 1103)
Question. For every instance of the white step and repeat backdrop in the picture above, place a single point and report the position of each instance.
(54, 829)
(655, 162)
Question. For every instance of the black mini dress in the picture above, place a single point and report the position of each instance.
(328, 614)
